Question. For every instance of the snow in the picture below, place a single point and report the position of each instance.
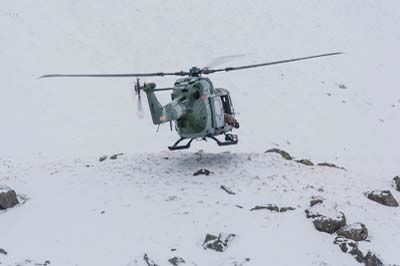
(343, 110)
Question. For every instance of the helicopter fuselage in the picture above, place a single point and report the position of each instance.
(197, 108)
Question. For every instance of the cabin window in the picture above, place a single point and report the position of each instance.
(226, 102)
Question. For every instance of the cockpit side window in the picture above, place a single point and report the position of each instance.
(227, 104)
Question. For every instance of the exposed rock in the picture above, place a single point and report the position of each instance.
(8, 198)
(372, 260)
(115, 156)
(271, 207)
(350, 247)
(330, 165)
(202, 171)
(103, 158)
(356, 231)
(396, 182)
(329, 224)
(305, 162)
(326, 218)
(316, 200)
(283, 153)
(384, 197)
(219, 243)
(285, 209)
(177, 261)
(2, 251)
(227, 190)
(148, 261)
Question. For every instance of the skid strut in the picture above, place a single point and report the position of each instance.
(230, 139)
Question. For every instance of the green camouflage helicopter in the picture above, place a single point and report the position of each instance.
(200, 110)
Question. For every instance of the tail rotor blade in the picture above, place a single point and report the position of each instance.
(139, 111)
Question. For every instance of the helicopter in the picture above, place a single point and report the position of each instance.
(199, 110)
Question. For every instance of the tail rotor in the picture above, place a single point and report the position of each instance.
(139, 105)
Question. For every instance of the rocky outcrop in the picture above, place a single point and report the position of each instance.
(227, 190)
(283, 153)
(326, 218)
(316, 200)
(202, 171)
(330, 165)
(351, 247)
(177, 261)
(148, 261)
(305, 162)
(272, 207)
(356, 231)
(383, 197)
(219, 243)
(329, 224)
(8, 198)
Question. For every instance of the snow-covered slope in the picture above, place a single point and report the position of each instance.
(344, 110)
(85, 212)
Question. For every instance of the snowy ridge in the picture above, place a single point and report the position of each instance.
(86, 212)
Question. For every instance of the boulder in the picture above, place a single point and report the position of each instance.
(271, 207)
(329, 224)
(316, 200)
(350, 247)
(283, 153)
(8, 198)
(356, 231)
(2, 251)
(396, 183)
(326, 218)
(372, 260)
(330, 165)
(285, 209)
(202, 171)
(305, 162)
(149, 261)
(103, 158)
(177, 261)
(383, 197)
(219, 243)
(115, 156)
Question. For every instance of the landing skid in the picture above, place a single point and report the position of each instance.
(230, 139)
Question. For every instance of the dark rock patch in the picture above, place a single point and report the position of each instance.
(350, 247)
(357, 232)
(148, 261)
(383, 197)
(305, 162)
(283, 153)
(202, 171)
(271, 207)
(227, 190)
(372, 260)
(115, 156)
(396, 183)
(285, 209)
(329, 224)
(8, 198)
(103, 158)
(316, 200)
(2, 251)
(219, 243)
(330, 165)
(177, 261)
(326, 218)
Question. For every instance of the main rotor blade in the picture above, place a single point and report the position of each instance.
(210, 71)
(159, 74)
